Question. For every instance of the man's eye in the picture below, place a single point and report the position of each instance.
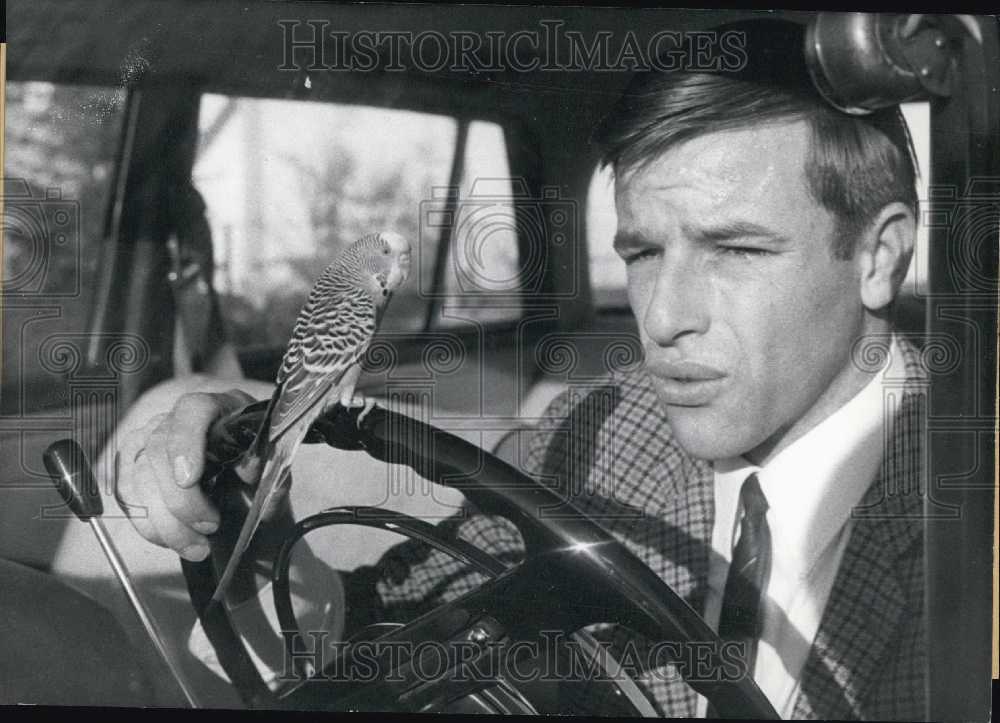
(741, 251)
(644, 255)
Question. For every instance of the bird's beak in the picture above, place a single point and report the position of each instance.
(400, 273)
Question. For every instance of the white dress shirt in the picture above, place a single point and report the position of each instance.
(811, 487)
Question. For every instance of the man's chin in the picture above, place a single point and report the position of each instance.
(705, 433)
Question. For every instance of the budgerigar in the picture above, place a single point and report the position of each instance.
(321, 366)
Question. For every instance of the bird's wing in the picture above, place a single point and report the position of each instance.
(316, 362)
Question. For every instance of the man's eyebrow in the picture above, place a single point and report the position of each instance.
(718, 233)
(735, 230)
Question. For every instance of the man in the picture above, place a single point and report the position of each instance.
(766, 236)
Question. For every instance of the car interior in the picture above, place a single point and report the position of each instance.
(196, 166)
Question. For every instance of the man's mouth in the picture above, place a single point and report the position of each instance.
(686, 383)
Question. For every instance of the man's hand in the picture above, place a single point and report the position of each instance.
(157, 469)
(159, 465)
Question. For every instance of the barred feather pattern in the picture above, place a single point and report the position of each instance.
(333, 330)
(343, 281)
(328, 340)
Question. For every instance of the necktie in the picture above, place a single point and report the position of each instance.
(741, 617)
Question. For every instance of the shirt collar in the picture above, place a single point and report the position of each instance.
(812, 485)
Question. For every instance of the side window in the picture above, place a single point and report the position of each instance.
(918, 120)
(60, 147)
(607, 272)
(289, 184)
(482, 270)
(60, 144)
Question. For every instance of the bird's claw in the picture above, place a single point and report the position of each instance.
(368, 403)
(356, 401)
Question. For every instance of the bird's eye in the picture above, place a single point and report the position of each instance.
(385, 252)
(385, 292)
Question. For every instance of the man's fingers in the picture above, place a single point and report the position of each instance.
(139, 493)
(127, 493)
(187, 433)
(170, 443)
(158, 469)
(168, 530)
(135, 485)
(176, 452)
(128, 488)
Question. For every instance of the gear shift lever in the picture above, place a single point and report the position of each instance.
(70, 471)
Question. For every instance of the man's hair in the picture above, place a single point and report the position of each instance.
(856, 164)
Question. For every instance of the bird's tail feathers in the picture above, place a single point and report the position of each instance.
(263, 440)
(274, 468)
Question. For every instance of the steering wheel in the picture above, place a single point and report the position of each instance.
(564, 556)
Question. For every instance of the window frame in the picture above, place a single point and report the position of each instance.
(524, 162)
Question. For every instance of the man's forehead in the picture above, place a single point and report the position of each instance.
(726, 165)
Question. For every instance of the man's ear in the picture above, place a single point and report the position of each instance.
(884, 255)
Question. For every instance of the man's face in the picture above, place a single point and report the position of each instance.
(746, 317)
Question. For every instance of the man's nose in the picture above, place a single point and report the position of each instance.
(677, 306)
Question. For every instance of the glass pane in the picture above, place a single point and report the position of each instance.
(59, 159)
(918, 120)
(482, 276)
(58, 162)
(288, 184)
(607, 270)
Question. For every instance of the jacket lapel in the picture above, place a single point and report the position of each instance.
(692, 515)
(867, 600)
(673, 494)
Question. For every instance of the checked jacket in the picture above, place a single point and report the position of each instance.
(608, 448)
